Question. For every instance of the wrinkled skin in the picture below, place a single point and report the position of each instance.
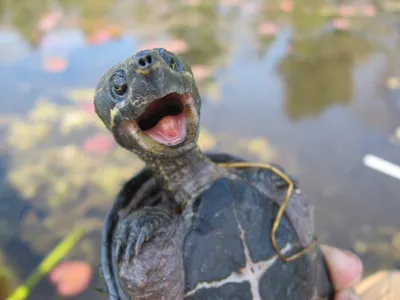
(143, 89)
(155, 243)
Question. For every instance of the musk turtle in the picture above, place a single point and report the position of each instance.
(194, 225)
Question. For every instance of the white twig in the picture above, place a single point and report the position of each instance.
(382, 165)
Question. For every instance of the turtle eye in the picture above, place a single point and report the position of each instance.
(172, 63)
(119, 85)
(169, 59)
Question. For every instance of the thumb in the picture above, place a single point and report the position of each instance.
(344, 267)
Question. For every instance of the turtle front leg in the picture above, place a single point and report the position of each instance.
(141, 197)
(137, 228)
(147, 255)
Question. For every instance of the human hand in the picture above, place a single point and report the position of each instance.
(345, 269)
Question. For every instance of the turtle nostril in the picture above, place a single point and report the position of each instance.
(142, 62)
(144, 59)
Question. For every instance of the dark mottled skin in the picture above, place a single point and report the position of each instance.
(184, 220)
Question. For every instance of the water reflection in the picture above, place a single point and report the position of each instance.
(61, 159)
(318, 73)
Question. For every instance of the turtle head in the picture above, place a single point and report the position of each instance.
(151, 104)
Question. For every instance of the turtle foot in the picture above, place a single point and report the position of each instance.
(138, 228)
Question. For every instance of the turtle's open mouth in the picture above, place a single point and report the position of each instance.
(165, 119)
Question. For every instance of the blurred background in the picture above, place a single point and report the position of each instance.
(309, 84)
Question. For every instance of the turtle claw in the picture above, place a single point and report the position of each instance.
(121, 236)
(134, 244)
(139, 242)
(138, 228)
(130, 243)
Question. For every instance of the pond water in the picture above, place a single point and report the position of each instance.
(309, 86)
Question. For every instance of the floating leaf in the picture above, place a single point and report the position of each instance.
(46, 265)
(261, 148)
(397, 133)
(23, 136)
(44, 111)
(105, 34)
(177, 45)
(386, 230)
(396, 241)
(286, 5)
(71, 121)
(99, 144)
(232, 2)
(346, 10)
(360, 247)
(115, 175)
(49, 20)
(327, 11)
(213, 92)
(88, 108)
(267, 29)
(55, 64)
(369, 10)
(60, 189)
(201, 72)
(71, 278)
(393, 83)
(68, 152)
(81, 95)
(341, 24)
(391, 6)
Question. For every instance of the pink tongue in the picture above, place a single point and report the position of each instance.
(170, 130)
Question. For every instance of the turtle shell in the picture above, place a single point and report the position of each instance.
(227, 250)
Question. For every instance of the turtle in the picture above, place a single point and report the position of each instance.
(194, 224)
